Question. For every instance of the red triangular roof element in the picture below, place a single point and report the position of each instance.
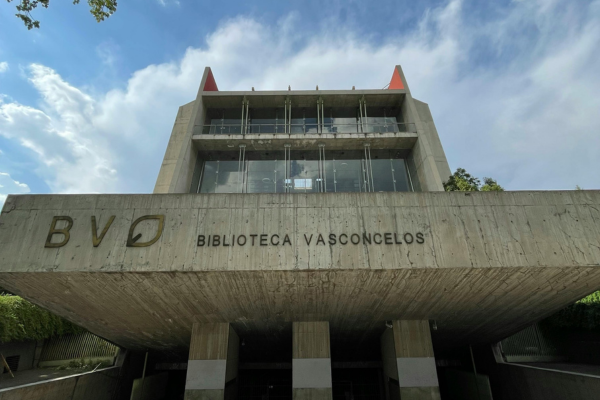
(210, 85)
(396, 82)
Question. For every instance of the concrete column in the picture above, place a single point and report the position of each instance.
(408, 362)
(311, 361)
(213, 363)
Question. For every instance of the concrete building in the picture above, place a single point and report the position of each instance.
(302, 240)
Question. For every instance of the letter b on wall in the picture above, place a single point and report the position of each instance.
(63, 231)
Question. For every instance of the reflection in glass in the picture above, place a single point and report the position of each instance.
(220, 177)
(401, 179)
(348, 176)
(265, 176)
(304, 175)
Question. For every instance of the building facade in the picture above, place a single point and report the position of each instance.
(303, 239)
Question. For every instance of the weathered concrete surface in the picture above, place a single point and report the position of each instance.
(307, 141)
(97, 385)
(490, 262)
(519, 382)
(311, 360)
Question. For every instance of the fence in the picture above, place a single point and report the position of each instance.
(532, 344)
(58, 351)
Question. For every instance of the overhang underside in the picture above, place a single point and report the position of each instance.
(156, 310)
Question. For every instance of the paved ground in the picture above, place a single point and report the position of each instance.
(34, 375)
(587, 369)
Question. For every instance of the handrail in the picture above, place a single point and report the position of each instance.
(310, 128)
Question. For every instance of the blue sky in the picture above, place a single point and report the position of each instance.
(88, 107)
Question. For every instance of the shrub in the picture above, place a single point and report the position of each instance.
(21, 320)
(584, 314)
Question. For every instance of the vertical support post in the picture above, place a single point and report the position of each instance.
(285, 116)
(246, 123)
(242, 120)
(287, 182)
(322, 172)
(311, 362)
(213, 362)
(242, 167)
(290, 116)
(408, 361)
(318, 117)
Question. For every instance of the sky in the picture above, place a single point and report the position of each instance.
(87, 107)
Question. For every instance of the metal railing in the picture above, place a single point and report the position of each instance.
(294, 129)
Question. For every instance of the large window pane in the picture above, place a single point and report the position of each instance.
(304, 176)
(266, 176)
(401, 175)
(348, 176)
(383, 180)
(220, 177)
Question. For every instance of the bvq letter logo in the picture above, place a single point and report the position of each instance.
(132, 241)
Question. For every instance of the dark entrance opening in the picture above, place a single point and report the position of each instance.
(357, 384)
(265, 384)
(356, 367)
(265, 365)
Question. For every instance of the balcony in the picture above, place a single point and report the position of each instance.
(371, 125)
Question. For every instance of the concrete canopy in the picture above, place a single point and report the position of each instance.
(488, 264)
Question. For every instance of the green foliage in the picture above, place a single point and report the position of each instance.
(584, 314)
(86, 365)
(100, 9)
(462, 181)
(490, 185)
(20, 320)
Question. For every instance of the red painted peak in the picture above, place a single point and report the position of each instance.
(396, 82)
(210, 85)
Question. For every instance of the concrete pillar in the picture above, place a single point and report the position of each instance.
(213, 363)
(408, 362)
(311, 361)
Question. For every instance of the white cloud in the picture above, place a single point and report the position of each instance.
(164, 3)
(3, 66)
(527, 116)
(9, 186)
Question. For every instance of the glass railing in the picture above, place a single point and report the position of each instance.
(238, 129)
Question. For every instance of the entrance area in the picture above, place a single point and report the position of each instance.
(265, 367)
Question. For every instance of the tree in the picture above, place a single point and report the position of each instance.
(462, 181)
(100, 9)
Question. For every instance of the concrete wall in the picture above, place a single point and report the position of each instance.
(463, 385)
(26, 351)
(519, 382)
(153, 387)
(179, 145)
(430, 132)
(488, 264)
(98, 385)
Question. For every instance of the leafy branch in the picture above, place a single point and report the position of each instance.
(100, 9)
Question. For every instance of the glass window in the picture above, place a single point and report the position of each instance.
(348, 173)
(348, 176)
(265, 176)
(221, 177)
(400, 175)
(383, 180)
(304, 175)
